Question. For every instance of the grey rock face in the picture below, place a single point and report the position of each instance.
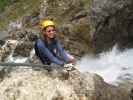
(7, 49)
(24, 35)
(20, 43)
(67, 86)
(2, 42)
(94, 88)
(23, 49)
(113, 23)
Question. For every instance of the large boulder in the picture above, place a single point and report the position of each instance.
(113, 24)
(7, 49)
(19, 43)
(93, 87)
(28, 84)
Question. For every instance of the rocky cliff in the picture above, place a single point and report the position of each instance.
(112, 21)
(37, 83)
(25, 83)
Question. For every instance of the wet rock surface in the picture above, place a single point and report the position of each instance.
(20, 43)
(112, 21)
(7, 49)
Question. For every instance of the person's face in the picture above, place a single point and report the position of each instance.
(50, 32)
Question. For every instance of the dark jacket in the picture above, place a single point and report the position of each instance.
(51, 53)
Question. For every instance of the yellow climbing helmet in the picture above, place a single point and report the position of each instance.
(46, 23)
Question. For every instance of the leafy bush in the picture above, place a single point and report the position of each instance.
(3, 4)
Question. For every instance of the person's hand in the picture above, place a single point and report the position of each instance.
(73, 61)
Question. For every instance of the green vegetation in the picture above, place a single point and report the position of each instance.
(87, 3)
(3, 4)
(16, 10)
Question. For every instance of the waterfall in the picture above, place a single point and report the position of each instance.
(113, 65)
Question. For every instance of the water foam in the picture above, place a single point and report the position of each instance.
(111, 65)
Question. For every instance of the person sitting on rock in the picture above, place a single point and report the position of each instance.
(49, 49)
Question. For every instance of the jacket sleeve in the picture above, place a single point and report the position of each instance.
(63, 53)
(44, 50)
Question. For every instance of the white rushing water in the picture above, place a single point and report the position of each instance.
(113, 66)
(20, 59)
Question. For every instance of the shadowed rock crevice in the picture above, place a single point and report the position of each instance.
(113, 24)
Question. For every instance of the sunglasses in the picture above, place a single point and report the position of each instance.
(53, 30)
